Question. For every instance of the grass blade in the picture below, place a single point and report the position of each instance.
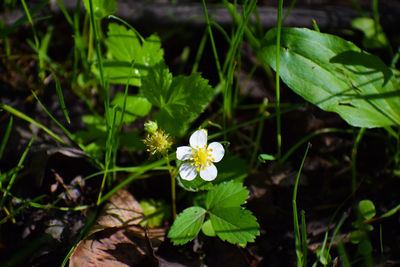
(6, 136)
(21, 161)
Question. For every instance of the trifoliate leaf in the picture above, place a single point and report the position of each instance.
(180, 99)
(235, 225)
(187, 225)
(134, 106)
(224, 195)
(129, 60)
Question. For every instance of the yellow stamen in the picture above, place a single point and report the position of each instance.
(202, 158)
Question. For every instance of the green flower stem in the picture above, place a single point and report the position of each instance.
(172, 173)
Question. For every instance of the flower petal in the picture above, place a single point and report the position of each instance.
(184, 152)
(217, 152)
(198, 139)
(187, 171)
(209, 173)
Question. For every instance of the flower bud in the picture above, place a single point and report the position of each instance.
(150, 126)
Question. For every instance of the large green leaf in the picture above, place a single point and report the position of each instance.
(187, 225)
(336, 75)
(129, 59)
(181, 99)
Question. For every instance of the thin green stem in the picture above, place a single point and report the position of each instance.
(200, 51)
(298, 238)
(29, 17)
(214, 48)
(304, 246)
(173, 186)
(354, 159)
(19, 165)
(258, 136)
(140, 171)
(277, 92)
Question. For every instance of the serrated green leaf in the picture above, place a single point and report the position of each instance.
(129, 60)
(101, 8)
(155, 87)
(336, 75)
(230, 194)
(187, 225)
(235, 225)
(180, 99)
(367, 209)
(134, 106)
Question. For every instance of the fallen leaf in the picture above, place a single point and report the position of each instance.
(117, 239)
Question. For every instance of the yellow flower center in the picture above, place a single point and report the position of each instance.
(202, 157)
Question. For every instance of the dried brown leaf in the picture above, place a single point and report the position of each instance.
(117, 239)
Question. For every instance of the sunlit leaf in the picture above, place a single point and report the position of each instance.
(187, 225)
(129, 59)
(181, 99)
(235, 225)
(229, 194)
(134, 106)
(336, 75)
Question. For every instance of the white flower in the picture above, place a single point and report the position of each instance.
(199, 157)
